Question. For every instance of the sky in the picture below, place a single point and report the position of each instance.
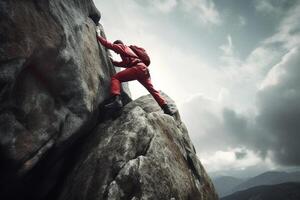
(233, 69)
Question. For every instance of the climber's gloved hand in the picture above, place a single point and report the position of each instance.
(98, 32)
(98, 29)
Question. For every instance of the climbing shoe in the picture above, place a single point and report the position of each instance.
(115, 104)
(168, 110)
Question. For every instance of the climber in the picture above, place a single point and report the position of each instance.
(136, 69)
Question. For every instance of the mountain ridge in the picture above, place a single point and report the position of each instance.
(283, 191)
(225, 187)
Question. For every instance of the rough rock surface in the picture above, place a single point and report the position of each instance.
(142, 154)
(53, 77)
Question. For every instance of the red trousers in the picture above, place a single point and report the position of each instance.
(139, 72)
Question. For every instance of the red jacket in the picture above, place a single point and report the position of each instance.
(129, 58)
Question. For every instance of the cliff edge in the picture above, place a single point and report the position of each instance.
(142, 154)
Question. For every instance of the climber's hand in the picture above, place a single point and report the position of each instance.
(98, 32)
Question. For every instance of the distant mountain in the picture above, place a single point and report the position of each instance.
(284, 191)
(225, 184)
(269, 178)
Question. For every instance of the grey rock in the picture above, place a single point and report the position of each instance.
(53, 76)
(142, 154)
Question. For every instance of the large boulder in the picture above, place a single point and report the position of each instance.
(53, 75)
(142, 154)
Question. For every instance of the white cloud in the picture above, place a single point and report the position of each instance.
(260, 59)
(164, 5)
(229, 57)
(242, 21)
(227, 160)
(228, 48)
(278, 71)
(271, 8)
(251, 73)
(265, 6)
(242, 80)
(288, 33)
(268, 53)
(265, 66)
(205, 10)
(272, 51)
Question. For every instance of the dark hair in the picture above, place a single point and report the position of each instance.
(118, 42)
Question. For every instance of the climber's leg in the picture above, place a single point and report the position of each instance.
(128, 74)
(145, 80)
(156, 95)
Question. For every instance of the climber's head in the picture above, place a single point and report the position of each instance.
(118, 42)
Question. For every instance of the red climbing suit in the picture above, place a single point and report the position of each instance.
(135, 70)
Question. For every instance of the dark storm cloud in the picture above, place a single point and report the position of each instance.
(239, 155)
(235, 124)
(279, 115)
(273, 133)
(276, 129)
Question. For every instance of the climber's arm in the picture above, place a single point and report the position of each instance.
(122, 63)
(118, 48)
(104, 42)
(119, 64)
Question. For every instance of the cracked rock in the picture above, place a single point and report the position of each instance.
(142, 154)
(53, 76)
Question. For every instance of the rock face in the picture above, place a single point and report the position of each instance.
(143, 154)
(53, 77)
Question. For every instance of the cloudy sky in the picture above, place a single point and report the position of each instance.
(233, 68)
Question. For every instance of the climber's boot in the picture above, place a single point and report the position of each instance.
(168, 110)
(115, 104)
